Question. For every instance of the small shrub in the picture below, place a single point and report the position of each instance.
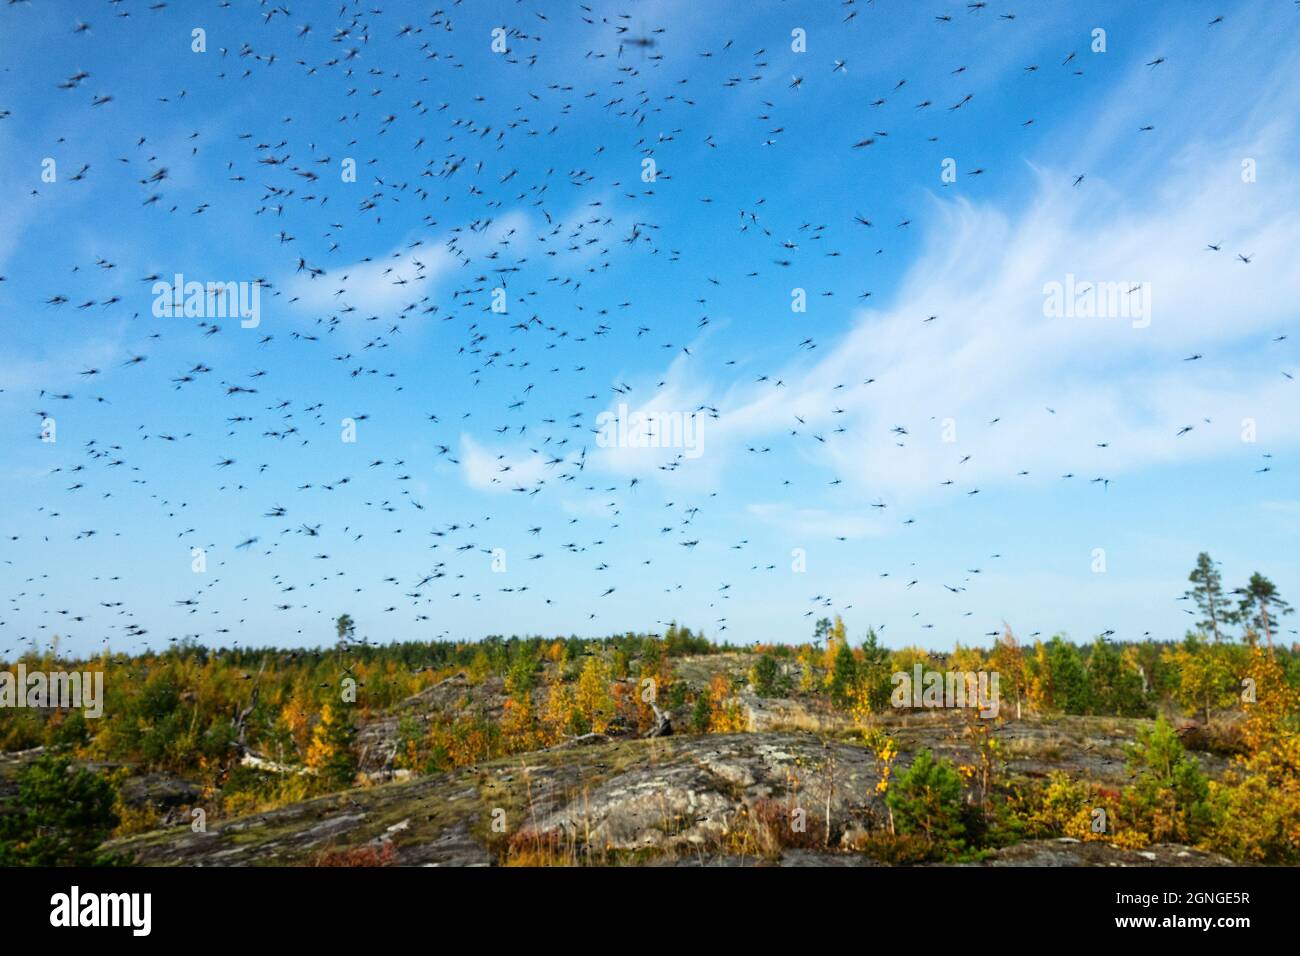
(896, 849)
(60, 817)
(781, 825)
(1068, 808)
(371, 855)
(702, 714)
(1170, 798)
(927, 801)
(769, 679)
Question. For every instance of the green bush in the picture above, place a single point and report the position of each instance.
(769, 679)
(702, 715)
(927, 801)
(677, 695)
(1170, 797)
(60, 817)
(843, 676)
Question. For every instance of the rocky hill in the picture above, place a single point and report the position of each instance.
(719, 798)
(798, 786)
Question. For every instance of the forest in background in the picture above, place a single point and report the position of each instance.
(198, 713)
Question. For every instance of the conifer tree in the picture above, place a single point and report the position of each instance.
(332, 754)
(1261, 606)
(1207, 593)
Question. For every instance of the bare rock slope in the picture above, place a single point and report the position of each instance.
(669, 800)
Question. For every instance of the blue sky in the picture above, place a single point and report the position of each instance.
(757, 192)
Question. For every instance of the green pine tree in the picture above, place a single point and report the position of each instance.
(59, 818)
(927, 800)
(1261, 606)
(843, 676)
(1207, 593)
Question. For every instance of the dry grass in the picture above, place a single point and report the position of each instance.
(531, 848)
(1047, 749)
(895, 849)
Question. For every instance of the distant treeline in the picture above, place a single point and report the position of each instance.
(177, 708)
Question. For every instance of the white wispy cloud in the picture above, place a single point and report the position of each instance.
(505, 469)
(406, 274)
(1029, 392)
